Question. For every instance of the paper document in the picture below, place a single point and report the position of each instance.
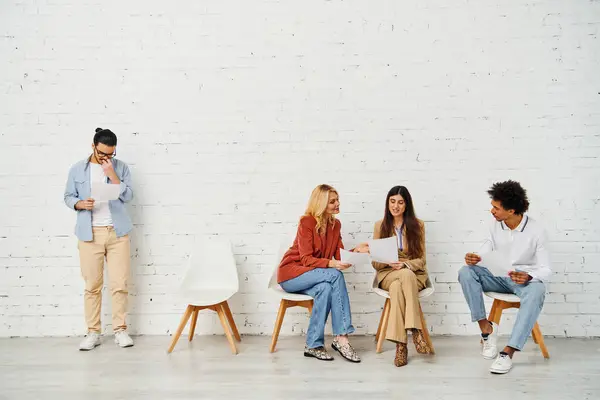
(497, 262)
(354, 258)
(105, 191)
(384, 250)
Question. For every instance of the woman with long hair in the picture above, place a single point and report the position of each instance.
(405, 278)
(311, 266)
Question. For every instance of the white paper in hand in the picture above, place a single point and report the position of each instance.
(497, 262)
(105, 191)
(384, 250)
(350, 257)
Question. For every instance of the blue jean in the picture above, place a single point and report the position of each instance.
(475, 280)
(328, 287)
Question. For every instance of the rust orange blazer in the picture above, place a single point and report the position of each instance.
(310, 249)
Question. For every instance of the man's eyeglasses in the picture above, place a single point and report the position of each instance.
(106, 155)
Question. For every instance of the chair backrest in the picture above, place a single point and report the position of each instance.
(375, 284)
(284, 245)
(429, 284)
(211, 265)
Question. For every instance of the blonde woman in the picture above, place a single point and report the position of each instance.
(309, 267)
(405, 278)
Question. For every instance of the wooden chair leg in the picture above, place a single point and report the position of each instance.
(193, 326)
(386, 316)
(182, 324)
(425, 330)
(304, 303)
(493, 310)
(231, 321)
(278, 322)
(497, 309)
(221, 313)
(380, 322)
(537, 335)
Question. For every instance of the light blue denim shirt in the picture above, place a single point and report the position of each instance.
(78, 188)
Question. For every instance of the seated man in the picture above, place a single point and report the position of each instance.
(523, 239)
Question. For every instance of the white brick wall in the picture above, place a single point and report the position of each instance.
(230, 112)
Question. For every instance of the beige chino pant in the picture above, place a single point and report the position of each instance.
(107, 245)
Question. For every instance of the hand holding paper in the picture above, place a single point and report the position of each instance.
(384, 250)
(354, 258)
(105, 191)
(497, 262)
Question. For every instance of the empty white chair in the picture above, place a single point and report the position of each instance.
(288, 300)
(503, 301)
(210, 281)
(383, 322)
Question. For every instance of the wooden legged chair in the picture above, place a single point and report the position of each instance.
(385, 314)
(288, 300)
(225, 316)
(210, 281)
(503, 301)
(283, 306)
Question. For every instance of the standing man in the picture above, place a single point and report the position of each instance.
(523, 238)
(102, 229)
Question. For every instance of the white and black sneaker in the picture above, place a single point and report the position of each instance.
(502, 364)
(489, 345)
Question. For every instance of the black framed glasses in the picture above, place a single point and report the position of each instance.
(101, 153)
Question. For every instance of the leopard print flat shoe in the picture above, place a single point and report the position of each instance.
(346, 350)
(318, 352)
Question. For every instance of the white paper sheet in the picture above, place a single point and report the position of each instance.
(497, 262)
(384, 250)
(105, 191)
(354, 258)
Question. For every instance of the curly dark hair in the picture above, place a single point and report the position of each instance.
(511, 195)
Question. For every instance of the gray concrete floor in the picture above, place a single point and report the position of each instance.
(53, 368)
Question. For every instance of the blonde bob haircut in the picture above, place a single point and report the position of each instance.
(317, 205)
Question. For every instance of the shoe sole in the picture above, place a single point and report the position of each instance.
(96, 345)
(320, 359)
(338, 350)
(124, 347)
(499, 372)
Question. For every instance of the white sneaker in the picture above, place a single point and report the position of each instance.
(501, 365)
(123, 339)
(489, 346)
(90, 341)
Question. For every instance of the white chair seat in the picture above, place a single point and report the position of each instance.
(290, 296)
(422, 294)
(508, 297)
(426, 292)
(207, 297)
